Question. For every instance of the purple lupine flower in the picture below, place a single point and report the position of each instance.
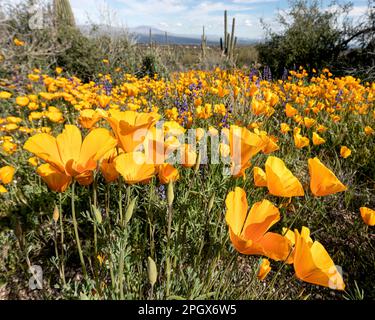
(108, 87)
(161, 192)
(200, 85)
(253, 72)
(267, 75)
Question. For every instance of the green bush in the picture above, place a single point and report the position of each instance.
(82, 56)
(311, 37)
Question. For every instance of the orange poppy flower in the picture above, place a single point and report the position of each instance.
(269, 144)
(368, 216)
(260, 178)
(167, 173)
(55, 179)
(107, 166)
(300, 141)
(18, 43)
(264, 269)
(290, 111)
(284, 128)
(5, 95)
(22, 101)
(369, 131)
(345, 152)
(309, 122)
(68, 157)
(280, 180)
(249, 232)
(134, 168)
(317, 139)
(323, 181)
(6, 174)
(156, 148)
(88, 118)
(130, 127)
(243, 146)
(313, 264)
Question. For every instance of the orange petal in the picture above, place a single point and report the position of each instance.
(276, 247)
(6, 174)
(55, 179)
(44, 146)
(86, 178)
(262, 216)
(96, 144)
(109, 171)
(237, 208)
(323, 181)
(167, 173)
(264, 269)
(69, 144)
(313, 264)
(260, 177)
(133, 167)
(368, 216)
(280, 180)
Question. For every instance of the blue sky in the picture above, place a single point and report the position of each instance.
(188, 16)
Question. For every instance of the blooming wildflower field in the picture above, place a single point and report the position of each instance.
(208, 185)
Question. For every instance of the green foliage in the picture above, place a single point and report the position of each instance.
(311, 37)
(82, 55)
(152, 65)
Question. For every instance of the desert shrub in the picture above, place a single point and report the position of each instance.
(310, 36)
(38, 47)
(82, 55)
(152, 65)
(63, 45)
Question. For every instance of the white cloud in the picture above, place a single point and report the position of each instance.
(153, 7)
(358, 11)
(209, 6)
(248, 23)
(253, 1)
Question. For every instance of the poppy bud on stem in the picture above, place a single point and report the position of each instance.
(56, 214)
(152, 274)
(130, 210)
(211, 203)
(198, 163)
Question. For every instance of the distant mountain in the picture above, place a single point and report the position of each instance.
(142, 35)
(146, 30)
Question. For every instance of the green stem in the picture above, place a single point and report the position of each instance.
(95, 200)
(113, 281)
(75, 224)
(168, 261)
(120, 199)
(62, 240)
(56, 250)
(121, 273)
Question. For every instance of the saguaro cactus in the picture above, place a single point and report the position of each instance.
(203, 44)
(63, 13)
(229, 42)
